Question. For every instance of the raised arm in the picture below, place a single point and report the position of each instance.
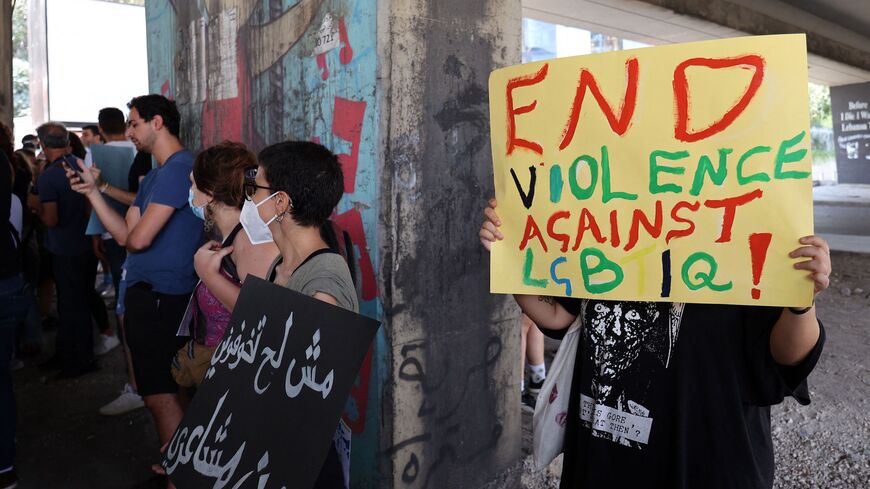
(85, 183)
(796, 333)
(543, 310)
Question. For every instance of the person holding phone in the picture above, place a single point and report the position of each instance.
(65, 215)
(161, 234)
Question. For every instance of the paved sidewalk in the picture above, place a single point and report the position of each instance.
(842, 194)
(851, 195)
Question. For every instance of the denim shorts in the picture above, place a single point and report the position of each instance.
(121, 293)
(14, 301)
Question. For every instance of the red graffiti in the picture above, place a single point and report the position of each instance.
(346, 53)
(223, 119)
(165, 91)
(360, 395)
(351, 221)
(618, 124)
(347, 123)
(681, 94)
(321, 63)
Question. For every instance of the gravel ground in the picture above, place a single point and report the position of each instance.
(823, 445)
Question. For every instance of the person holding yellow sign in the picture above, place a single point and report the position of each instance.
(678, 395)
(653, 203)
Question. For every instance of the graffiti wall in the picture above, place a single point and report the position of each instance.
(263, 71)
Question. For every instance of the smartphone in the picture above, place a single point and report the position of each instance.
(72, 162)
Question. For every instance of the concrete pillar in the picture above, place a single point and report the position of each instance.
(6, 109)
(453, 397)
(398, 88)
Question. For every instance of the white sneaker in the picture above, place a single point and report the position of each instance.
(105, 344)
(128, 401)
(108, 292)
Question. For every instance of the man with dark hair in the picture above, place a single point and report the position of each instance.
(91, 135)
(74, 265)
(161, 234)
(114, 160)
(147, 107)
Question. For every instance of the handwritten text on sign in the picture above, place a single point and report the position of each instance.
(269, 407)
(675, 173)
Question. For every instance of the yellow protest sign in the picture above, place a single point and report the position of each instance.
(675, 173)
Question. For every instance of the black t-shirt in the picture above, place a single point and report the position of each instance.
(675, 396)
(141, 166)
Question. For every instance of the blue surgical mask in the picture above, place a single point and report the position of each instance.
(198, 211)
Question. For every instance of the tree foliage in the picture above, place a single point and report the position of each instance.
(20, 63)
(820, 105)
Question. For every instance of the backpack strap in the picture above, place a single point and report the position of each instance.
(227, 263)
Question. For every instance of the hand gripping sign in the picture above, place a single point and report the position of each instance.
(266, 413)
(675, 173)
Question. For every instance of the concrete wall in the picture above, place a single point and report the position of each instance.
(453, 394)
(6, 108)
(247, 70)
(403, 98)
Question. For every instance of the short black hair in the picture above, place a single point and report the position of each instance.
(151, 105)
(309, 173)
(111, 121)
(93, 128)
(53, 135)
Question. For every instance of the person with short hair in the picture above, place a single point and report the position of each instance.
(161, 234)
(113, 159)
(296, 188)
(74, 266)
(91, 135)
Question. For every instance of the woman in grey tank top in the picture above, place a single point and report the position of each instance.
(297, 186)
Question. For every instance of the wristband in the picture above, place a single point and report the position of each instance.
(798, 312)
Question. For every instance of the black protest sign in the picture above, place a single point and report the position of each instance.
(266, 413)
(850, 109)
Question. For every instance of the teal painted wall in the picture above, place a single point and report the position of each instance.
(248, 70)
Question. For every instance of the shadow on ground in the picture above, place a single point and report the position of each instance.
(63, 442)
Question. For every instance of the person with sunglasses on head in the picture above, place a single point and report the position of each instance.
(217, 195)
(296, 188)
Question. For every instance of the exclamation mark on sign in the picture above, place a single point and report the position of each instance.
(758, 244)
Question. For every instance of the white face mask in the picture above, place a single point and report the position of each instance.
(257, 230)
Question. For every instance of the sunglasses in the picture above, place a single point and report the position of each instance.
(251, 189)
